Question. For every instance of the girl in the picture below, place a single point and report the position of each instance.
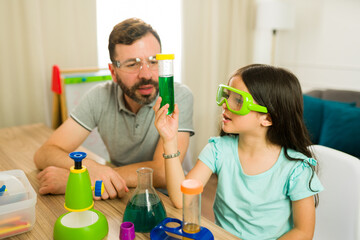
(266, 178)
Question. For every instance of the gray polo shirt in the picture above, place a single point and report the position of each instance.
(128, 137)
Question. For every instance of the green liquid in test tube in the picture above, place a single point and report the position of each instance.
(166, 80)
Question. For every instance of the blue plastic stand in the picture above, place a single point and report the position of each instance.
(159, 232)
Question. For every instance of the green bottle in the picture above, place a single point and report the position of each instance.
(145, 211)
(166, 80)
(144, 208)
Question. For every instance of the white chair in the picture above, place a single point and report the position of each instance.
(338, 213)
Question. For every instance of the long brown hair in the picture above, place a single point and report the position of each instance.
(280, 92)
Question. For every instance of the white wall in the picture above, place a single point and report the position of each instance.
(35, 35)
(323, 49)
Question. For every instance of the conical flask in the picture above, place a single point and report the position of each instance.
(145, 208)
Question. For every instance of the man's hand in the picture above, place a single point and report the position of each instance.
(115, 186)
(53, 180)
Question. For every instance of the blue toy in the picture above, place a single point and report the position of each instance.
(159, 232)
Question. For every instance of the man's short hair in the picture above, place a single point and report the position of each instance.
(127, 32)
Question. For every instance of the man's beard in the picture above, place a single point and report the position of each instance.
(131, 92)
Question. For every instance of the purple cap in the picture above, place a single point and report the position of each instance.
(127, 231)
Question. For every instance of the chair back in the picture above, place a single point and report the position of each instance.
(338, 213)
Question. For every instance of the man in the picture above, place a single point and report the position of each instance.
(122, 111)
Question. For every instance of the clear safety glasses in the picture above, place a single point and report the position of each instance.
(237, 101)
(134, 65)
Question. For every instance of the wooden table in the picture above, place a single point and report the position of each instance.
(17, 148)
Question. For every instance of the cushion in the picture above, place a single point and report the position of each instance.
(341, 128)
(313, 115)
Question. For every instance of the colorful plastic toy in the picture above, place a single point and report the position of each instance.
(127, 231)
(160, 231)
(82, 221)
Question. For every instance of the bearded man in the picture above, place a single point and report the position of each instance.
(122, 111)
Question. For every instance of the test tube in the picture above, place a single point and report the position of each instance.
(191, 189)
(166, 80)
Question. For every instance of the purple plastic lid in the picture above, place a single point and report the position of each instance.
(127, 231)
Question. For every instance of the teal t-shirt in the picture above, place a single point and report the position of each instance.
(256, 207)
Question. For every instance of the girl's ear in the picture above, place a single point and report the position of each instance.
(266, 120)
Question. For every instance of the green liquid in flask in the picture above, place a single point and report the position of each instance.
(166, 91)
(145, 211)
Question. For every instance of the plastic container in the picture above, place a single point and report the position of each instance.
(166, 80)
(17, 203)
(191, 190)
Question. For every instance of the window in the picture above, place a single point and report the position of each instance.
(163, 15)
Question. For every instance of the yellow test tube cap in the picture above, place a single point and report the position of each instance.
(161, 56)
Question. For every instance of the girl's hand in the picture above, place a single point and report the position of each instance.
(167, 125)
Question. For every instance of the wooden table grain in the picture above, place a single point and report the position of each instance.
(17, 147)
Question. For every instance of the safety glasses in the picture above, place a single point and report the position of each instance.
(134, 65)
(237, 101)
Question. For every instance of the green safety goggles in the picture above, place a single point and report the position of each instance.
(238, 102)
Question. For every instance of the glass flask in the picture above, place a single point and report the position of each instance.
(191, 190)
(145, 208)
(166, 80)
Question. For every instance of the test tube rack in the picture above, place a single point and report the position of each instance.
(159, 232)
